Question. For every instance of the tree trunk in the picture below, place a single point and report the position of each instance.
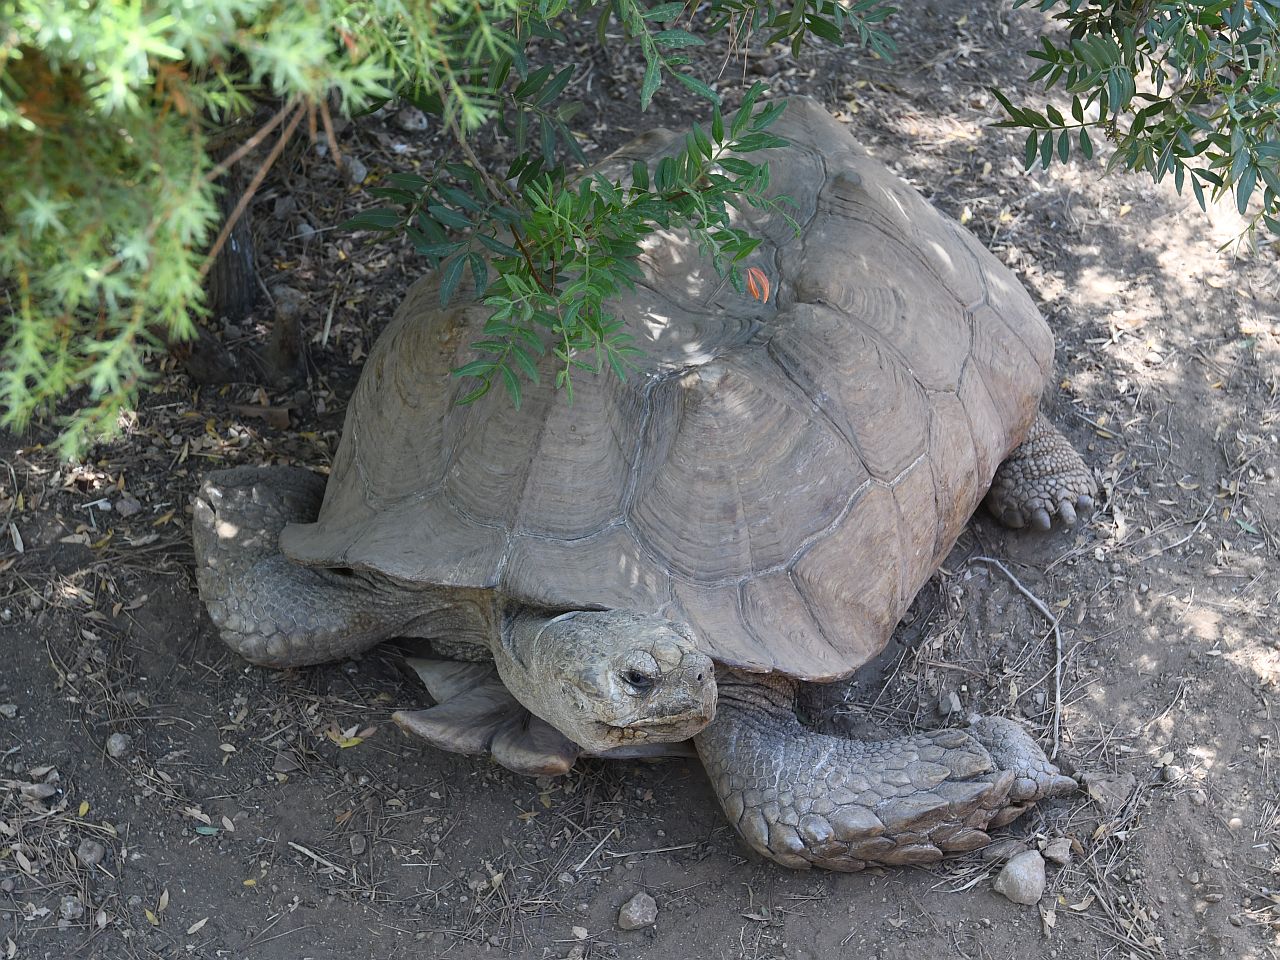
(232, 282)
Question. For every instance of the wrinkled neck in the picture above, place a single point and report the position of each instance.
(531, 660)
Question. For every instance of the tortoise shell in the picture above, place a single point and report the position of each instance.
(782, 476)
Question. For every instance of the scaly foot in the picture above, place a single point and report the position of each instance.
(1042, 479)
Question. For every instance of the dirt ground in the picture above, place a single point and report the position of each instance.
(159, 798)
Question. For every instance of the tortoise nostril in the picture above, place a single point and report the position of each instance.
(699, 678)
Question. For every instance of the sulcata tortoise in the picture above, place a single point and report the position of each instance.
(668, 557)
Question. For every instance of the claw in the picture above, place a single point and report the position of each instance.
(1013, 519)
(1040, 519)
(1084, 503)
(1066, 512)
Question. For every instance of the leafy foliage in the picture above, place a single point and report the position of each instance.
(573, 247)
(106, 115)
(1188, 88)
(110, 112)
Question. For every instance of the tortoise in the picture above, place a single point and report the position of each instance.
(666, 558)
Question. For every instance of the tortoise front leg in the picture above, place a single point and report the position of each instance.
(267, 608)
(1043, 478)
(806, 799)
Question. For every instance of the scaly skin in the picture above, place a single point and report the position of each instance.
(806, 799)
(269, 610)
(1042, 479)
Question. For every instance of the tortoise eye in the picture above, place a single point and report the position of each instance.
(637, 681)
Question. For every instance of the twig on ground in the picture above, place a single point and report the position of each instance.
(317, 858)
(1057, 643)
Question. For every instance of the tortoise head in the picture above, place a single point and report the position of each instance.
(610, 679)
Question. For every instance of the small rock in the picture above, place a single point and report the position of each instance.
(764, 67)
(1235, 823)
(638, 912)
(411, 120)
(948, 703)
(8, 710)
(118, 745)
(358, 844)
(580, 933)
(289, 300)
(1004, 849)
(357, 172)
(90, 852)
(284, 206)
(1172, 773)
(1022, 879)
(127, 505)
(1110, 791)
(6, 885)
(71, 908)
(1058, 850)
(37, 791)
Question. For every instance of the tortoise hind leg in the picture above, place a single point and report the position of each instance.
(806, 799)
(1042, 479)
(267, 608)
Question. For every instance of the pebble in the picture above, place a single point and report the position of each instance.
(358, 844)
(1058, 850)
(128, 505)
(638, 912)
(90, 852)
(6, 885)
(284, 207)
(1235, 823)
(1110, 791)
(948, 703)
(1003, 850)
(1022, 879)
(71, 908)
(580, 933)
(118, 745)
(8, 710)
(411, 119)
(1172, 773)
(357, 172)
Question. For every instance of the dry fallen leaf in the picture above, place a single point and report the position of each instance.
(276, 417)
(197, 926)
